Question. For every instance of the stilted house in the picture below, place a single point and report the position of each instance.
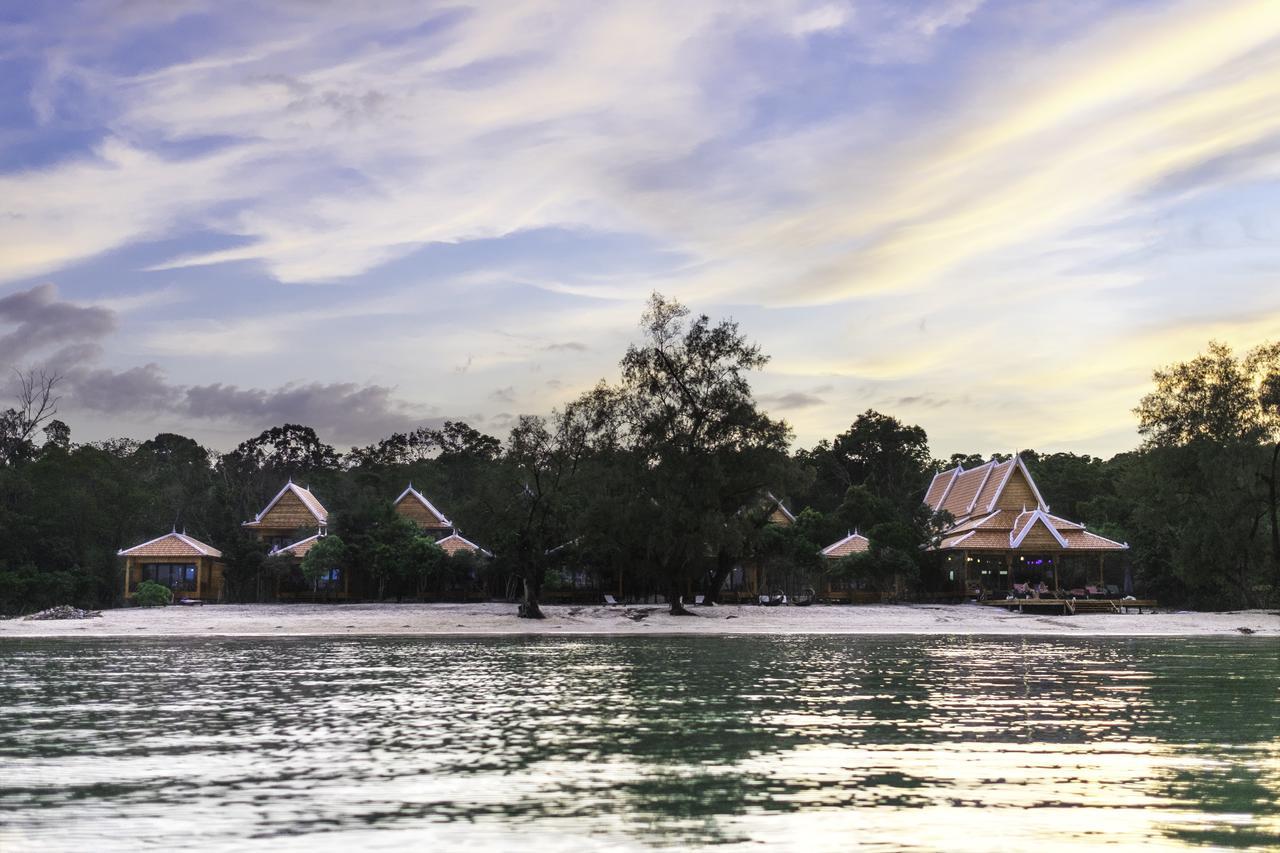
(189, 567)
(1004, 534)
(292, 511)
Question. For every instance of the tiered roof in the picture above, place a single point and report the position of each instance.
(292, 507)
(998, 507)
(172, 544)
(854, 543)
(780, 514)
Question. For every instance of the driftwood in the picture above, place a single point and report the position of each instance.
(64, 611)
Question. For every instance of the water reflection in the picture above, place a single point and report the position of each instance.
(958, 743)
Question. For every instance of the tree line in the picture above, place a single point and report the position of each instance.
(665, 476)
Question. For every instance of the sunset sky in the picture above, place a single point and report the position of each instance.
(992, 219)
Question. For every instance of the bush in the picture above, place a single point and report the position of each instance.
(152, 594)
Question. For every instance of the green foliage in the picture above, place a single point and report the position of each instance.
(327, 553)
(152, 594)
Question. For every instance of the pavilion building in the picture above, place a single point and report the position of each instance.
(414, 506)
(187, 566)
(293, 511)
(1004, 534)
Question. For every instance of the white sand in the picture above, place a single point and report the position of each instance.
(283, 620)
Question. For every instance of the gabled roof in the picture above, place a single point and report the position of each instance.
(173, 544)
(963, 493)
(297, 549)
(309, 501)
(854, 543)
(779, 505)
(420, 498)
(1027, 520)
(454, 543)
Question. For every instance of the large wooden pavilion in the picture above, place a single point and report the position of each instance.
(1004, 533)
(189, 567)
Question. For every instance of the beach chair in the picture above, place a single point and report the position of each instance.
(610, 600)
(1022, 590)
(1078, 592)
(1113, 591)
(1093, 591)
(699, 600)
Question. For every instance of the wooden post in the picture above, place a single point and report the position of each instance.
(964, 555)
(200, 563)
(1102, 575)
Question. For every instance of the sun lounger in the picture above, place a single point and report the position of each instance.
(611, 601)
(1078, 592)
(1022, 590)
(699, 599)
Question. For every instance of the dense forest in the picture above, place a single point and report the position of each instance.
(664, 476)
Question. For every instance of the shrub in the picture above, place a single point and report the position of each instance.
(152, 594)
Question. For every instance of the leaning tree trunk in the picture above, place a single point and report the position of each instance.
(529, 608)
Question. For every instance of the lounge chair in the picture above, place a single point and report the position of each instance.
(610, 601)
(1078, 592)
(1093, 591)
(1113, 591)
(1022, 590)
(699, 600)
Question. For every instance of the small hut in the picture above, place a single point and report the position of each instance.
(189, 567)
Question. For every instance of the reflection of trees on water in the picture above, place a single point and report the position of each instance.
(675, 739)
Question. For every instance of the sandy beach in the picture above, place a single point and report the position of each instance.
(495, 618)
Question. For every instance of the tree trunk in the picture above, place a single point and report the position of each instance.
(529, 608)
(677, 602)
(1275, 516)
(720, 574)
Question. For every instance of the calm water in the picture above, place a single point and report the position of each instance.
(819, 743)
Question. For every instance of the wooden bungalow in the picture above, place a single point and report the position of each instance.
(293, 510)
(853, 543)
(1004, 534)
(189, 567)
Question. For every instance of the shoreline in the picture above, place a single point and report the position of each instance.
(498, 619)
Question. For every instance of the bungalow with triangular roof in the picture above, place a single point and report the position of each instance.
(1003, 533)
(189, 567)
(295, 509)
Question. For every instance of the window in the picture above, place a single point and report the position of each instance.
(330, 579)
(176, 576)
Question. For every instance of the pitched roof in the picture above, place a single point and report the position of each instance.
(310, 501)
(297, 549)
(854, 543)
(780, 506)
(420, 498)
(972, 497)
(454, 543)
(172, 544)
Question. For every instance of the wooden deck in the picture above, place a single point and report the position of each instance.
(1071, 606)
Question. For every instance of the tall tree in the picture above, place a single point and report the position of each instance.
(692, 441)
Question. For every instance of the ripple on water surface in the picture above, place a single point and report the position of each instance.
(942, 742)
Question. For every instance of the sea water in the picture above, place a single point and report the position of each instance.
(813, 743)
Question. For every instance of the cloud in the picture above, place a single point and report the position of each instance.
(504, 395)
(792, 400)
(39, 319)
(567, 346)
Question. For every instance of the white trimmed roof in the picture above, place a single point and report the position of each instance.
(465, 541)
(781, 506)
(426, 503)
(282, 549)
(1016, 536)
(835, 546)
(309, 500)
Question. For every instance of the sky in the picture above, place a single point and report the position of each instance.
(991, 219)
